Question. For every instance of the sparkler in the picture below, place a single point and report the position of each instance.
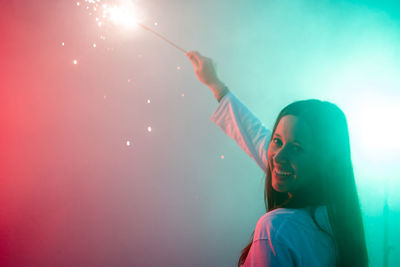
(122, 13)
(161, 36)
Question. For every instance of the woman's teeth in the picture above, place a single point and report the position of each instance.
(282, 173)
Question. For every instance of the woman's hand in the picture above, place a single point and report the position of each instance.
(205, 70)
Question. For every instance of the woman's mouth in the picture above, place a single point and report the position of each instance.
(282, 173)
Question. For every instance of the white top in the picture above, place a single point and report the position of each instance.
(283, 237)
(239, 123)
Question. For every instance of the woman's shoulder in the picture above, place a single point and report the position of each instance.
(285, 222)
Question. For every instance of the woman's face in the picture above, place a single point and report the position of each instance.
(292, 156)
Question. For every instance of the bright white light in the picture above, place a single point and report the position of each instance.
(62, 44)
(148, 101)
(75, 61)
(373, 123)
(149, 129)
(128, 143)
(94, 45)
(122, 15)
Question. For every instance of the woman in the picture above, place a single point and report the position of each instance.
(313, 215)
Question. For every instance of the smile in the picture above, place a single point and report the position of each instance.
(282, 173)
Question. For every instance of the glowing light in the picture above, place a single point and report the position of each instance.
(129, 80)
(155, 23)
(78, 4)
(178, 67)
(372, 119)
(62, 44)
(182, 94)
(75, 61)
(94, 45)
(105, 96)
(222, 156)
(148, 101)
(128, 143)
(123, 15)
(149, 129)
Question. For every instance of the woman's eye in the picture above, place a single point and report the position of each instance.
(276, 141)
(297, 148)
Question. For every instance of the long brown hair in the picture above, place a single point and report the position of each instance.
(336, 187)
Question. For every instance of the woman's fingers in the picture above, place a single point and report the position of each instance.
(194, 57)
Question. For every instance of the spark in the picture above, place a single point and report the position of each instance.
(62, 43)
(128, 143)
(148, 101)
(75, 61)
(94, 45)
(78, 4)
(149, 129)
(122, 15)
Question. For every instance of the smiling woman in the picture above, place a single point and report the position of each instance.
(292, 164)
(313, 214)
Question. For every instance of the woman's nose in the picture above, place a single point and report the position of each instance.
(281, 156)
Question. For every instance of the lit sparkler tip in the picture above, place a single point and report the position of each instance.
(123, 15)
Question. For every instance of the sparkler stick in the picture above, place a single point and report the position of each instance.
(121, 14)
(162, 37)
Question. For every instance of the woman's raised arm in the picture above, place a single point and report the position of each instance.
(232, 116)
